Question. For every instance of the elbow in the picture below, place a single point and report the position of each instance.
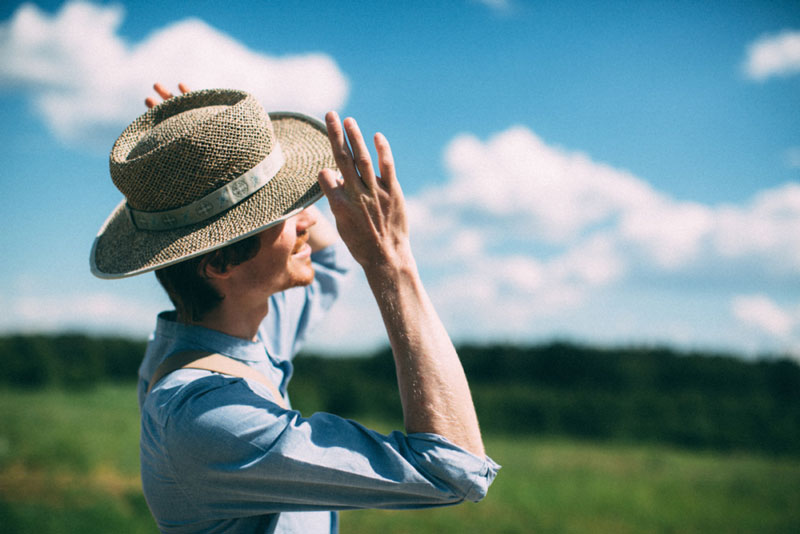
(479, 487)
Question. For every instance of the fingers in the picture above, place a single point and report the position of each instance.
(164, 93)
(385, 162)
(353, 159)
(328, 181)
(342, 154)
(361, 156)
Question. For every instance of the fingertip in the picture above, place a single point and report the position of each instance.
(326, 180)
(382, 144)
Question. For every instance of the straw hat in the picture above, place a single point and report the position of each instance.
(202, 170)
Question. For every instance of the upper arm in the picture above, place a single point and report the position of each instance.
(238, 451)
(323, 233)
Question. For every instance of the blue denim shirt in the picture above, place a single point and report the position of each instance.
(217, 454)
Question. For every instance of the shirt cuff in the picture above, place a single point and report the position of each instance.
(466, 474)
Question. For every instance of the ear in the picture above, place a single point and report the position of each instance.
(210, 268)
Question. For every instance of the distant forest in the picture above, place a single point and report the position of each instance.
(642, 394)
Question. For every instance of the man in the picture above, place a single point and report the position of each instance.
(217, 202)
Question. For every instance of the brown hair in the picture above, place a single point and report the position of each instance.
(188, 287)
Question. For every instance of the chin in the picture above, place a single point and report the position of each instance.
(305, 278)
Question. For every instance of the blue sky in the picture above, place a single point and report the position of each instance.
(616, 172)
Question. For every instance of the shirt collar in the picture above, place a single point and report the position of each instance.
(193, 337)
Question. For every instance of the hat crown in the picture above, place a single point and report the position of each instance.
(189, 146)
(202, 170)
(172, 128)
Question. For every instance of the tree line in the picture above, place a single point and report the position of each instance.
(657, 394)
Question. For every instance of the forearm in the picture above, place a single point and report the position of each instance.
(433, 388)
(371, 216)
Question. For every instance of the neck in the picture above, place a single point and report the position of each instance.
(235, 319)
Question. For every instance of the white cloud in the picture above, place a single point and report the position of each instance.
(516, 187)
(594, 262)
(671, 232)
(768, 228)
(104, 311)
(86, 81)
(761, 312)
(524, 231)
(553, 192)
(774, 55)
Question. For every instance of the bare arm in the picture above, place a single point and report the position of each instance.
(371, 217)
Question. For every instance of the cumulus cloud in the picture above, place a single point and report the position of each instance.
(517, 186)
(96, 311)
(523, 230)
(761, 312)
(768, 227)
(774, 55)
(86, 81)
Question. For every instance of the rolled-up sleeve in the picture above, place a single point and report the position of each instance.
(242, 455)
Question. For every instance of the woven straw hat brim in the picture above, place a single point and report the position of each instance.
(120, 249)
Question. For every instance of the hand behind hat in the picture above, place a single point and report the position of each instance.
(163, 93)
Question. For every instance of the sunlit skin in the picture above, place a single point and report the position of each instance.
(283, 260)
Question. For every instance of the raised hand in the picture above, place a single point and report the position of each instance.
(369, 208)
(371, 217)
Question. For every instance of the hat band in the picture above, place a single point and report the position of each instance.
(215, 202)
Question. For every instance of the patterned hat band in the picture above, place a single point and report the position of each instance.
(215, 202)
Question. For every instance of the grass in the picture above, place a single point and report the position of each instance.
(559, 486)
(69, 463)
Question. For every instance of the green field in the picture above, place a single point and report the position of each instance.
(69, 463)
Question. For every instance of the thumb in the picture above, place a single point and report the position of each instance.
(328, 181)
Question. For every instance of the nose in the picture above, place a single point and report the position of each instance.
(306, 219)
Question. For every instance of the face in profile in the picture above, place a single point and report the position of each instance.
(284, 257)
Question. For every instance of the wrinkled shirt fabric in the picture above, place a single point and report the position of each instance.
(219, 455)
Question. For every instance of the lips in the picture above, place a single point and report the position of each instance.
(302, 248)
